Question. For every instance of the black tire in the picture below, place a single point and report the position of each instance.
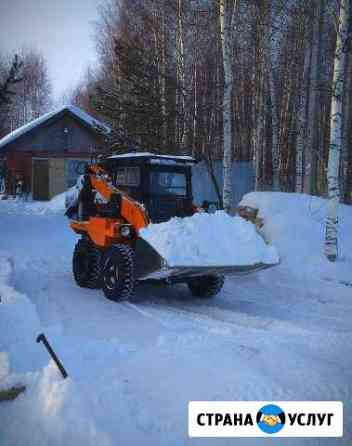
(86, 264)
(206, 286)
(117, 275)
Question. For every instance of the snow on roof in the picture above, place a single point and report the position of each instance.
(80, 114)
(152, 155)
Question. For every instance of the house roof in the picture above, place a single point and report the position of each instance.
(77, 112)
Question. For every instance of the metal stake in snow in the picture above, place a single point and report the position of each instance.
(42, 338)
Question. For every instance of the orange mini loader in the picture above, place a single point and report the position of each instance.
(115, 199)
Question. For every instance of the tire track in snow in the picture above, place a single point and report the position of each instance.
(213, 315)
(231, 317)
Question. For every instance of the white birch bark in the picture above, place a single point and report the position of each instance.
(330, 248)
(227, 9)
(347, 115)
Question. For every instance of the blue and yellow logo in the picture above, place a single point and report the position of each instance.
(271, 419)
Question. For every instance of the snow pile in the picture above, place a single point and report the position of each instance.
(209, 240)
(19, 326)
(55, 206)
(59, 410)
(295, 223)
(72, 194)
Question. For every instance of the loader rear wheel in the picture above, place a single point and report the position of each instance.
(206, 286)
(86, 264)
(117, 275)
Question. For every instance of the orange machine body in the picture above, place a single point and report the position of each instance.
(104, 231)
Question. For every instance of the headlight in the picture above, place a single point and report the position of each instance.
(125, 231)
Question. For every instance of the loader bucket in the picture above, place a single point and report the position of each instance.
(149, 264)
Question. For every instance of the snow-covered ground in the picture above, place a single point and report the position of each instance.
(280, 334)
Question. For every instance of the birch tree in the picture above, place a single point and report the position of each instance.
(258, 105)
(162, 80)
(302, 125)
(310, 155)
(175, 79)
(335, 134)
(180, 79)
(34, 93)
(227, 14)
(272, 68)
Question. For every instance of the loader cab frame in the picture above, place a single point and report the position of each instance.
(163, 184)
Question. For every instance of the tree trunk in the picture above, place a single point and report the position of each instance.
(347, 136)
(180, 75)
(226, 23)
(335, 135)
(275, 128)
(163, 79)
(259, 122)
(310, 158)
(346, 122)
(302, 123)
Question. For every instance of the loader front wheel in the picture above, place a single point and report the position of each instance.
(86, 264)
(206, 286)
(117, 273)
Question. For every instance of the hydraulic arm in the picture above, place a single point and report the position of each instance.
(119, 219)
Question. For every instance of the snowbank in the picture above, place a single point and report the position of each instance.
(19, 324)
(295, 224)
(50, 411)
(55, 206)
(209, 240)
(57, 408)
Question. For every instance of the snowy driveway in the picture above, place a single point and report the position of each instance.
(133, 366)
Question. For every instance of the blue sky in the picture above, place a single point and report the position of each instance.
(61, 29)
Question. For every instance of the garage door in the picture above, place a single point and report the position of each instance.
(57, 183)
(40, 188)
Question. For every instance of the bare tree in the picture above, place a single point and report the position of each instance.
(226, 80)
(33, 94)
(9, 78)
(330, 248)
(13, 77)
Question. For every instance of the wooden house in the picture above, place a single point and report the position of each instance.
(46, 155)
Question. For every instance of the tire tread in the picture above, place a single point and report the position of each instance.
(206, 286)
